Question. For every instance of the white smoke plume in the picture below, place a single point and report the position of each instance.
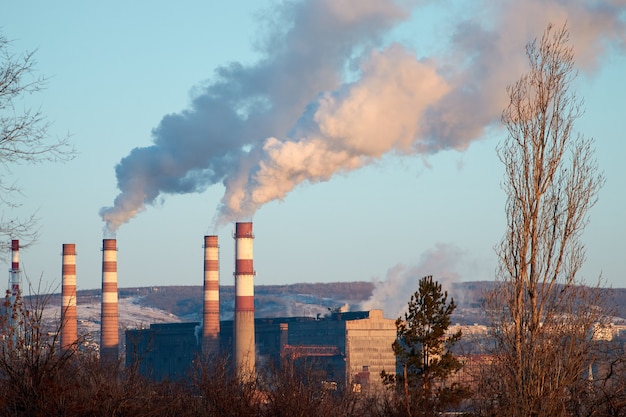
(393, 293)
(293, 117)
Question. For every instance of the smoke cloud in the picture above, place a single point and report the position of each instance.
(331, 95)
(393, 293)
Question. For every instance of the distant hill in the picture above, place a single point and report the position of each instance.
(141, 306)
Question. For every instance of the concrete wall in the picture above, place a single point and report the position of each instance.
(368, 345)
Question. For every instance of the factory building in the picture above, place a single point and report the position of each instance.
(363, 338)
(347, 347)
(164, 351)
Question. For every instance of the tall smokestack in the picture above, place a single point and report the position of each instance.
(211, 316)
(244, 300)
(69, 333)
(15, 270)
(109, 338)
(15, 316)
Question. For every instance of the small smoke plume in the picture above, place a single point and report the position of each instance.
(393, 293)
(292, 117)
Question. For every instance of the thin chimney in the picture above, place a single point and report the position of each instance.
(244, 301)
(15, 317)
(109, 337)
(211, 316)
(69, 333)
(15, 270)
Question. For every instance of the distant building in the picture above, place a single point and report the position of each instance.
(164, 351)
(347, 347)
(363, 338)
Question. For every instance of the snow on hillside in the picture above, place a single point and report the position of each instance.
(132, 315)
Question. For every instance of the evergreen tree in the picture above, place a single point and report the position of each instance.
(423, 354)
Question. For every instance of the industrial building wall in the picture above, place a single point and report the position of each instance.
(164, 351)
(314, 341)
(368, 347)
(327, 332)
(365, 338)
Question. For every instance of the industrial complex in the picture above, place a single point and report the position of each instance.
(344, 347)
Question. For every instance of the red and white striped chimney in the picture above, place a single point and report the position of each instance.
(15, 317)
(109, 337)
(69, 333)
(211, 313)
(244, 300)
(15, 270)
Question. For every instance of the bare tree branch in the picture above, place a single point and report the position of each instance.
(23, 136)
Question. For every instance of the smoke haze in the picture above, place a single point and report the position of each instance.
(393, 293)
(331, 94)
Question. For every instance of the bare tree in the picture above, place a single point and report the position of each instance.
(33, 368)
(544, 318)
(23, 135)
(300, 389)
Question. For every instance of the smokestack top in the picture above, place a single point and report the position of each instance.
(15, 257)
(210, 242)
(243, 230)
(69, 249)
(109, 244)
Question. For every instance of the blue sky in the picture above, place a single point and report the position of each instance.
(126, 75)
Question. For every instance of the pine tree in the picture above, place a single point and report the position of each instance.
(423, 353)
